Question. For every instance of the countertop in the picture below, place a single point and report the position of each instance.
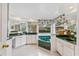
(24, 33)
(19, 34)
(65, 38)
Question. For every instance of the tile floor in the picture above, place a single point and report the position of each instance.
(32, 50)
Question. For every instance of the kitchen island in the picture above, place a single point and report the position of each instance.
(71, 40)
(65, 46)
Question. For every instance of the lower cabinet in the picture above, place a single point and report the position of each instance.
(65, 48)
(31, 39)
(23, 40)
(68, 51)
(19, 41)
(59, 47)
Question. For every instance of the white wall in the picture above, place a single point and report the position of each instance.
(77, 46)
(3, 22)
(0, 23)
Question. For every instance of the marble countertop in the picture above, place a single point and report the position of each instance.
(25, 33)
(68, 40)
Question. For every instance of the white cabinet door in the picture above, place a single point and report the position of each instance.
(65, 48)
(34, 39)
(18, 41)
(68, 51)
(23, 39)
(31, 39)
(28, 40)
(60, 47)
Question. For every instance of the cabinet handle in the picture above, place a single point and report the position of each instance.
(5, 46)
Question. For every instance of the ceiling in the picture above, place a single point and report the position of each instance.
(40, 10)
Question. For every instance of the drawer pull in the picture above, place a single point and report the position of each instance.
(5, 46)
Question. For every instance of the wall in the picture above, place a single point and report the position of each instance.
(3, 21)
(77, 46)
(0, 23)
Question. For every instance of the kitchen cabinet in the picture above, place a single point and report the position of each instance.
(19, 41)
(31, 39)
(59, 47)
(23, 40)
(65, 48)
(68, 51)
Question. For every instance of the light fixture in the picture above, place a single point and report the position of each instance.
(74, 10)
(32, 20)
(71, 7)
(17, 18)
